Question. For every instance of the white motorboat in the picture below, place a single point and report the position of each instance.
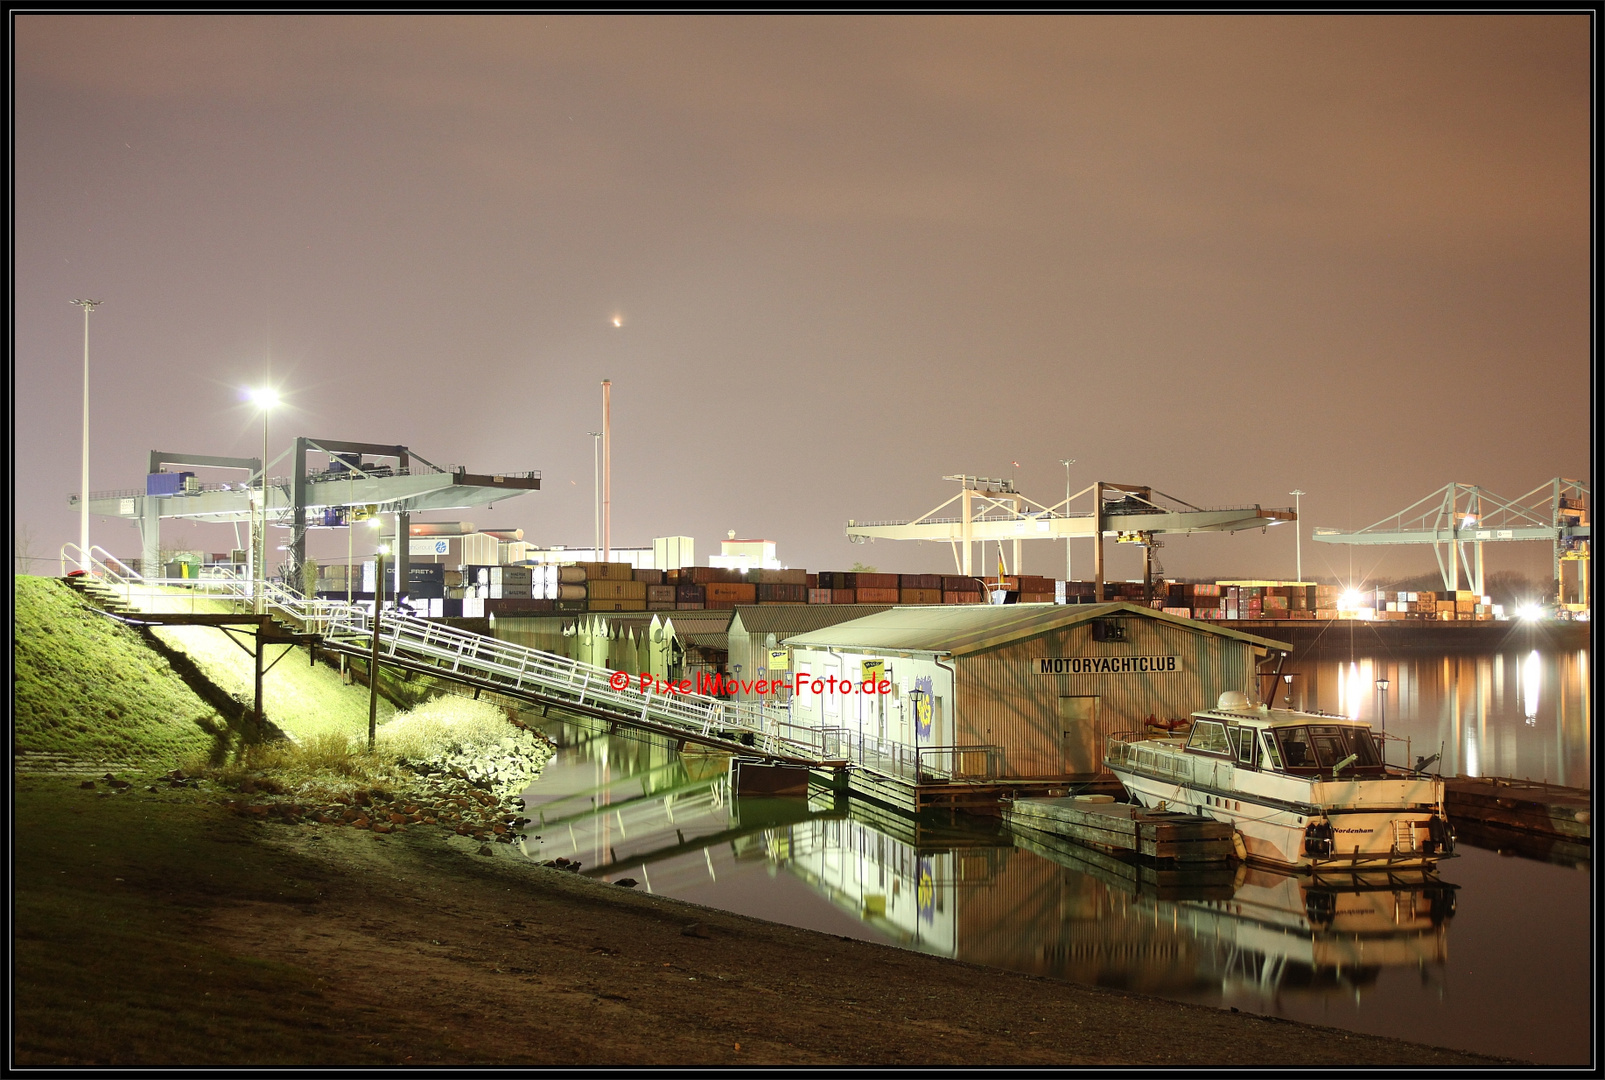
(1305, 791)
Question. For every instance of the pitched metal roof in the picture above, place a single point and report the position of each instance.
(783, 619)
(960, 629)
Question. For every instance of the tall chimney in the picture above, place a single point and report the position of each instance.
(607, 470)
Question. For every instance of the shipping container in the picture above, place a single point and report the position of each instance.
(819, 596)
(729, 592)
(649, 577)
(660, 594)
(877, 594)
(920, 594)
(613, 589)
(966, 597)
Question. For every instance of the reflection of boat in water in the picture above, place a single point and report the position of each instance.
(1280, 931)
(1306, 791)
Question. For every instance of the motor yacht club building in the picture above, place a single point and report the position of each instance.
(970, 702)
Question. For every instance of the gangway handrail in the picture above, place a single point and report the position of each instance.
(515, 669)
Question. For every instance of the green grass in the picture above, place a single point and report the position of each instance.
(109, 972)
(87, 686)
(301, 699)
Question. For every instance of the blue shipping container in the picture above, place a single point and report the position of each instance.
(163, 483)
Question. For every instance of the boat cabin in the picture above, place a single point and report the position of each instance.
(1294, 743)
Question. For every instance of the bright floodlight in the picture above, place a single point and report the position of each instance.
(1530, 612)
(1349, 600)
(264, 398)
(384, 549)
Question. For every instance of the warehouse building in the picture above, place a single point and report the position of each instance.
(979, 700)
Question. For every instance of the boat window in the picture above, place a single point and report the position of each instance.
(1272, 754)
(1364, 748)
(1296, 749)
(1247, 745)
(1329, 746)
(1209, 737)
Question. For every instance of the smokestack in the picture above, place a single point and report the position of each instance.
(607, 470)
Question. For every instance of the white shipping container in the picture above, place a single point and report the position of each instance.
(479, 548)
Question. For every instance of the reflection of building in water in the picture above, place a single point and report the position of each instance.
(1097, 920)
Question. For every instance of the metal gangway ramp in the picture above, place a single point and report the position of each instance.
(515, 671)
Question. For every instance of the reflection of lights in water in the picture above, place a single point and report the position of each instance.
(1350, 692)
(1530, 678)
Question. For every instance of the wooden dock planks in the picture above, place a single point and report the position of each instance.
(1520, 804)
(1154, 834)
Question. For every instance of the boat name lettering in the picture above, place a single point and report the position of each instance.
(1106, 665)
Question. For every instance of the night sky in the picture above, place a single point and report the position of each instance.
(1225, 256)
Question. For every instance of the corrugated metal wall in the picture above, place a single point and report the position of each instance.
(1002, 701)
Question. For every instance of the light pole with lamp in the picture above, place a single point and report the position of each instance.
(596, 489)
(265, 400)
(1298, 537)
(1069, 575)
(83, 490)
(1382, 701)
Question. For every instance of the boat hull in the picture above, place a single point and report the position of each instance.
(1273, 832)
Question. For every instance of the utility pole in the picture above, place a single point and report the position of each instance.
(83, 487)
(1298, 537)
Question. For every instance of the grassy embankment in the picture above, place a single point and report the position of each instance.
(110, 883)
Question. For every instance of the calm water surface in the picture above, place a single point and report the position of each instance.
(1500, 965)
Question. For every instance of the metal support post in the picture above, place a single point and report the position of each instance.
(373, 661)
(1097, 541)
(261, 644)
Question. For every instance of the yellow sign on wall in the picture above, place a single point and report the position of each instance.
(874, 670)
(779, 660)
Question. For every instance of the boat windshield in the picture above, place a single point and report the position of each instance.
(1317, 748)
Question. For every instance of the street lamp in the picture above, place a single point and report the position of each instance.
(1382, 699)
(1067, 462)
(265, 399)
(83, 488)
(1298, 537)
(596, 489)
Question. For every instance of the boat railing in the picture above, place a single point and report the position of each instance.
(1131, 750)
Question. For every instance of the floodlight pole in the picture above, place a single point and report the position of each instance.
(83, 487)
(607, 470)
(1298, 537)
(1069, 574)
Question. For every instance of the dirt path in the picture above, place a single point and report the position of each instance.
(508, 962)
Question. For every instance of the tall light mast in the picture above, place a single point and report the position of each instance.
(83, 487)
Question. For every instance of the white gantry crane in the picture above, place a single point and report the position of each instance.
(990, 509)
(1458, 515)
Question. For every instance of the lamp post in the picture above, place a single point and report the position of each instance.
(1298, 537)
(1067, 462)
(596, 490)
(265, 400)
(1382, 701)
(373, 657)
(83, 488)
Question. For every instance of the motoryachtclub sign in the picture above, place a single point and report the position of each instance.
(1106, 665)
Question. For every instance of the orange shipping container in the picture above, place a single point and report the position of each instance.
(843, 596)
(949, 597)
(879, 595)
(920, 596)
(730, 592)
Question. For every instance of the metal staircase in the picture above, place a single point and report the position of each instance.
(541, 678)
